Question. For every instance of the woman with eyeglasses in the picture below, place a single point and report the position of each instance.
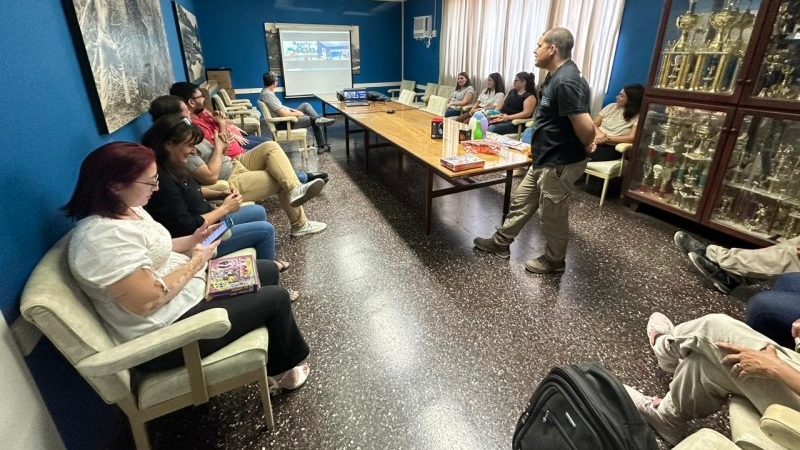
(139, 278)
(519, 103)
(616, 123)
(180, 205)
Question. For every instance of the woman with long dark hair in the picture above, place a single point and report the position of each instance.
(616, 123)
(462, 95)
(489, 98)
(180, 204)
(519, 103)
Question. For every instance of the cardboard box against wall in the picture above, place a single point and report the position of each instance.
(223, 78)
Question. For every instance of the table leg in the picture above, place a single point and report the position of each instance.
(507, 195)
(347, 136)
(366, 151)
(428, 202)
(399, 164)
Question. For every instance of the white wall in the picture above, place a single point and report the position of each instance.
(24, 419)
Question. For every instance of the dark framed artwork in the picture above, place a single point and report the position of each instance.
(122, 48)
(190, 44)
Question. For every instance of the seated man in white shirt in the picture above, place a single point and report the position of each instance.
(305, 113)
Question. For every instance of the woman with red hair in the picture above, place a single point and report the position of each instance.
(139, 279)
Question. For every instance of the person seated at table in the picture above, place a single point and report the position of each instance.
(519, 103)
(462, 96)
(139, 279)
(712, 358)
(488, 99)
(173, 137)
(207, 166)
(775, 313)
(214, 122)
(305, 113)
(616, 123)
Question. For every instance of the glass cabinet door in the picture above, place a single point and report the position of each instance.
(704, 45)
(760, 192)
(778, 75)
(675, 155)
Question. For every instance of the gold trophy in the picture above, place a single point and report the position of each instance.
(722, 22)
(686, 22)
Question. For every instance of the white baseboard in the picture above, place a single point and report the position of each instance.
(359, 85)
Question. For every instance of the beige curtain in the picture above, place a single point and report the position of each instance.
(484, 36)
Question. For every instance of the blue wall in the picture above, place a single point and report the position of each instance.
(421, 62)
(51, 128)
(637, 37)
(242, 47)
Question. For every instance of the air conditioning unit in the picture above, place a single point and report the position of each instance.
(423, 26)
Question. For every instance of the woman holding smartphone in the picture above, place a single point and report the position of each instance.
(139, 279)
(180, 203)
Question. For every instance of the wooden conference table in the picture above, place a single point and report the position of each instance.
(409, 130)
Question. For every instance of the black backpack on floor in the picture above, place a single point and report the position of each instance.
(582, 407)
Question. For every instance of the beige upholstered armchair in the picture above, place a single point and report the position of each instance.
(289, 134)
(229, 102)
(445, 91)
(430, 89)
(521, 125)
(436, 105)
(243, 118)
(777, 429)
(607, 169)
(54, 303)
(406, 97)
(404, 84)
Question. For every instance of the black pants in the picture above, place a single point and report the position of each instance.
(270, 306)
(605, 152)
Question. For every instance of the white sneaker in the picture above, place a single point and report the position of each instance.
(323, 121)
(305, 192)
(310, 227)
(658, 327)
(647, 407)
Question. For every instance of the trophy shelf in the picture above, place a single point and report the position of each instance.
(676, 157)
(718, 140)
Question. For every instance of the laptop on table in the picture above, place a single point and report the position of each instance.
(355, 97)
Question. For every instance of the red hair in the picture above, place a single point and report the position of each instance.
(113, 163)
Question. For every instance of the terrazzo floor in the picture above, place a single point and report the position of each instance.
(421, 342)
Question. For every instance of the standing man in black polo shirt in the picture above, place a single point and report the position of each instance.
(563, 133)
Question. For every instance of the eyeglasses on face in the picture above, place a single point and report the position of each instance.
(153, 183)
(197, 97)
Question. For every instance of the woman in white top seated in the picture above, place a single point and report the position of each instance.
(139, 279)
(616, 123)
(490, 98)
(462, 96)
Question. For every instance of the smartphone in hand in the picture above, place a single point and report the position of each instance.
(225, 225)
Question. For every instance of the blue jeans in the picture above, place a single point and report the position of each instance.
(452, 112)
(772, 312)
(250, 229)
(503, 128)
(527, 135)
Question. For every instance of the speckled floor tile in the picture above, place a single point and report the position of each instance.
(422, 342)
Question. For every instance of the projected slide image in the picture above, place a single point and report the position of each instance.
(315, 50)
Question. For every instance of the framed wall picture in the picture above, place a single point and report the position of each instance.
(122, 48)
(190, 44)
